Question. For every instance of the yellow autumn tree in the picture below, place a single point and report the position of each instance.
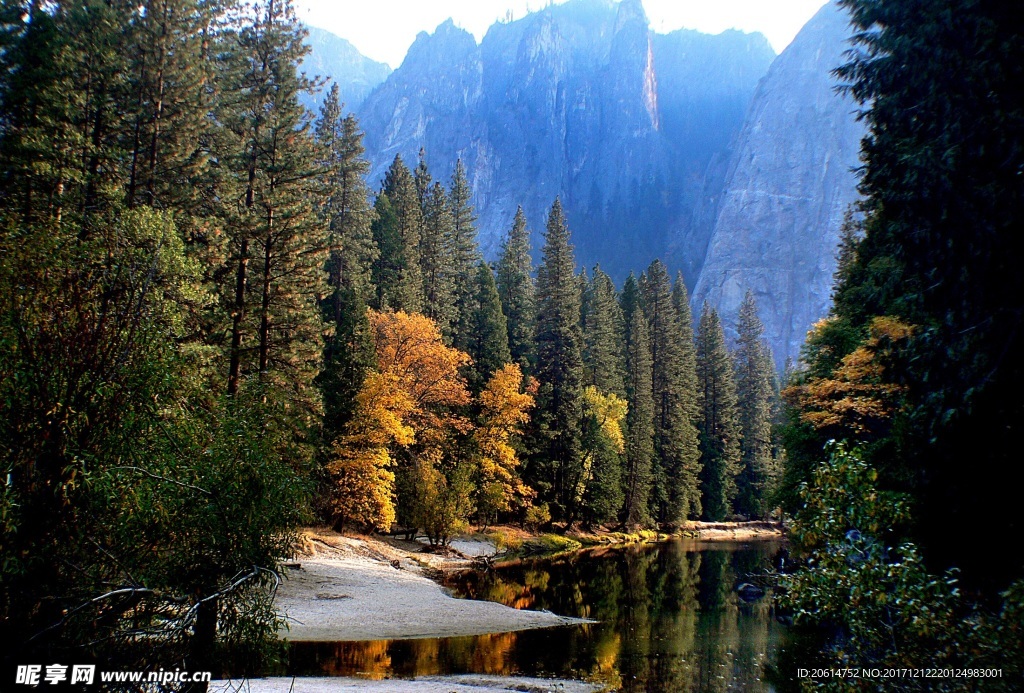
(361, 465)
(399, 438)
(859, 398)
(604, 414)
(504, 410)
(409, 348)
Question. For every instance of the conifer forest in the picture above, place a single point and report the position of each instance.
(216, 330)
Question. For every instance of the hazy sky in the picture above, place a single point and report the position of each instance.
(384, 29)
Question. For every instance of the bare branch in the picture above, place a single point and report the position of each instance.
(160, 477)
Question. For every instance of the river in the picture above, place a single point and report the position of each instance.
(670, 618)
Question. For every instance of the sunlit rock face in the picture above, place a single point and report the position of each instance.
(581, 100)
(790, 181)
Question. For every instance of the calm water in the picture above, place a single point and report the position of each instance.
(670, 617)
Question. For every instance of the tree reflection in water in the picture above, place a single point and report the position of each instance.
(669, 619)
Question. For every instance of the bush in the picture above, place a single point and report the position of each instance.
(537, 516)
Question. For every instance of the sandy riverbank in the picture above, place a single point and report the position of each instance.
(469, 683)
(737, 531)
(344, 588)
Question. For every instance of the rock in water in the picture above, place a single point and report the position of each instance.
(790, 182)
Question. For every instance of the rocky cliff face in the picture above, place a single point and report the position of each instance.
(789, 184)
(579, 100)
(337, 60)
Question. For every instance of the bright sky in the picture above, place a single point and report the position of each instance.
(384, 29)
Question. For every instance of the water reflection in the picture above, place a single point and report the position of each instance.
(670, 620)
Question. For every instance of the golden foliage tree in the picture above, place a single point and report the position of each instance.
(364, 483)
(405, 414)
(859, 396)
(604, 414)
(505, 409)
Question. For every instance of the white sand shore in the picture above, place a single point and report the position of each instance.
(364, 589)
(470, 683)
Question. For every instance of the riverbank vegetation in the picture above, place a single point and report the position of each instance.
(915, 374)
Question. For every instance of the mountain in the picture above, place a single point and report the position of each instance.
(337, 60)
(580, 100)
(788, 186)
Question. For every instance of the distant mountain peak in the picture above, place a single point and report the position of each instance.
(337, 60)
(630, 11)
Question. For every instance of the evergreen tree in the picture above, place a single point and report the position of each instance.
(465, 254)
(424, 181)
(719, 425)
(688, 479)
(515, 286)
(602, 336)
(171, 88)
(559, 365)
(273, 164)
(489, 344)
(641, 413)
(671, 497)
(400, 257)
(348, 353)
(387, 268)
(755, 389)
(436, 264)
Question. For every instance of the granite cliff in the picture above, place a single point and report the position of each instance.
(790, 182)
(708, 151)
(580, 100)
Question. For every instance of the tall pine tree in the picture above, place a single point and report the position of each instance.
(559, 365)
(436, 264)
(515, 286)
(671, 499)
(719, 424)
(348, 352)
(640, 416)
(603, 336)
(278, 243)
(688, 479)
(465, 254)
(755, 394)
(488, 345)
(400, 244)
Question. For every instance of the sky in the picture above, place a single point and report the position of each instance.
(384, 29)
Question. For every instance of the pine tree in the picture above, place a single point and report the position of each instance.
(279, 245)
(436, 264)
(515, 286)
(671, 497)
(488, 346)
(640, 418)
(688, 476)
(348, 353)
(559, 365)
(400, 253)
(755, 377)
(173, 88)
(465, 255)
(719, 425)
(603, 336)
(424, 181)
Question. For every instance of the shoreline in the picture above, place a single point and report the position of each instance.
(459, 683)
(344, 588)
(349, 588)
